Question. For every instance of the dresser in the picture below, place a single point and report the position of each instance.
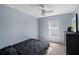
(72, 43)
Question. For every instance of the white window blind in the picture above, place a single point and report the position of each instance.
(53, 28)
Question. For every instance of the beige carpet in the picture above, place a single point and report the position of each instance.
(56, 49)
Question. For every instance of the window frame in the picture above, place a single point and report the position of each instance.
(52, 28)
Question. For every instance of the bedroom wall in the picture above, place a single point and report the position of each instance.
(64, 23)
(16, 26)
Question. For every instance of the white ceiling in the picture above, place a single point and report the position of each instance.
(33, 9)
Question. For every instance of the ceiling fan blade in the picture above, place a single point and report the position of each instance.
(40, 9)
(48, 11)
(41, 5)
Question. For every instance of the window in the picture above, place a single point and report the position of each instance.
(53, 28)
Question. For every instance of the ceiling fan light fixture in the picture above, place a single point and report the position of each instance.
(44, 10)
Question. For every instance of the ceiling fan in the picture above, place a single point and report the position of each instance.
(43, 8)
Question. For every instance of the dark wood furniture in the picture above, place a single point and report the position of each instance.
(72, 43)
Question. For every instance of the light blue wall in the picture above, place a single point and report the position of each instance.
(16, 26)
(64, 23)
